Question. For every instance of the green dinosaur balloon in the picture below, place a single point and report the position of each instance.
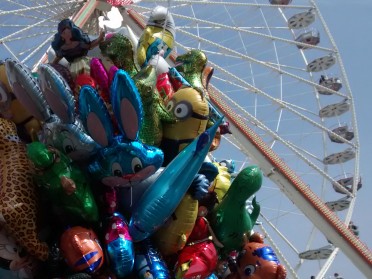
(64, 184)
(193, 67)
(155, 112)
(230, 219)
(120, 50)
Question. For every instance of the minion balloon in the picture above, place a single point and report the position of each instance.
(158, 36)
(191, 110)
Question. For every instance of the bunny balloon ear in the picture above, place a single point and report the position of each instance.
(99, 74)
(127, 105)
(27, 90)
(95, 117)
(57, 93)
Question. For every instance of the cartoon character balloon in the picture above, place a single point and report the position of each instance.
(157, 37)
(71, 43)
(222, 182)
(119, 245)
(191, 110)
(162, 198)
(100, 75)
(123, 159)
(61, 130)
(65, 132)
(155, 112)
(173, 235)
(149, 263)
(196, 261)
(229, 219)
(258, 261)
(192, 65)
(65, 185)
(81, 249)
(120, 50)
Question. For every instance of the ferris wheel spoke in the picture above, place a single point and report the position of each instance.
(253, 60)
(238, 4)
(279, 102)
(37, 8)
(274, 227)
(41, 46)
(40, 10)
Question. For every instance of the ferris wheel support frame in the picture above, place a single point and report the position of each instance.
(296, 190)
(275, 169)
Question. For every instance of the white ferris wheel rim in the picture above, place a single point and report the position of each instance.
(286, 75)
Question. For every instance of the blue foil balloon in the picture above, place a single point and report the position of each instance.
(123, 159)
(148, 262)
(161, 199)
(212, 276)
(119, 246)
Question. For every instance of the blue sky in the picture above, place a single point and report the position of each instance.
(350, 24)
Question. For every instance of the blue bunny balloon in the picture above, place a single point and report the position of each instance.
(123, 159)
(161, 199)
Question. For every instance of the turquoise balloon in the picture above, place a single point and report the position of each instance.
(230, 219)
(162, 198)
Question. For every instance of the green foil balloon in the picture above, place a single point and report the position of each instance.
(230, 219)
(193, 67)
(64, 183)
(121, 51)
(155, 113)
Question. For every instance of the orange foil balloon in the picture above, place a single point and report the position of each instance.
(81, 249)
(258, 261)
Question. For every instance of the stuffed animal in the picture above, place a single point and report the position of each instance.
(18, 199)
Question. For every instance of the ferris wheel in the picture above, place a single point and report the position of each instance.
(280, 82)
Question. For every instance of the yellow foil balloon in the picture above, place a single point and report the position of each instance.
(157, 37)
(12, 109)
(192, 111)
(173, 236)
(222, 182)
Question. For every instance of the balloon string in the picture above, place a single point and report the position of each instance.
(214, 237)
(131, 196)
(163, 31)
(200, 241)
